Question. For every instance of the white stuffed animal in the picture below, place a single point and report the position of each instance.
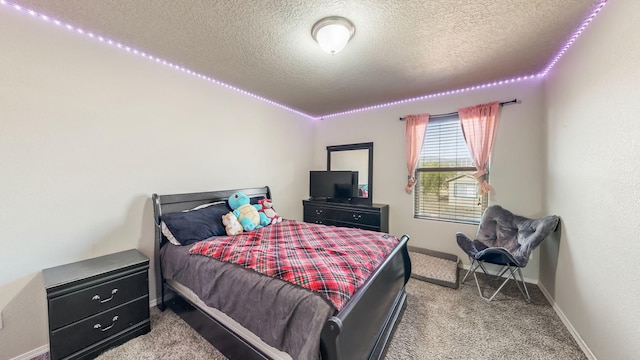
(231, 224)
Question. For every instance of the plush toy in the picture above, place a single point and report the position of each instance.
(246, 213)
(268, 210)
(231, 224)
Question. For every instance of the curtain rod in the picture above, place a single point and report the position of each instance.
(514, 101)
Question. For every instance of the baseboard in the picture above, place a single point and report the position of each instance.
(567, 323)
(42, 350)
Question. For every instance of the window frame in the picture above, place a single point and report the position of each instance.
(420, 197)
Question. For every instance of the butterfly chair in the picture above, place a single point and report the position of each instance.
(506, 240)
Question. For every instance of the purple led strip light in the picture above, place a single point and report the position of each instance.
(145, 55)
(430, 96)
(574, 37)
(563, 50)
(543, 73)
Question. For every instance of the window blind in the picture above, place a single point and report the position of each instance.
(445, 188)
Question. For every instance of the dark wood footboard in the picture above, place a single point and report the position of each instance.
(362, 329)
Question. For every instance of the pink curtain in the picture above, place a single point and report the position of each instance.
(479, 128)
(415, 128)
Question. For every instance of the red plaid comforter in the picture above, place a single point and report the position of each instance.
(332, 261)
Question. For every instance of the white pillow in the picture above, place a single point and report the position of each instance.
(205, 205)
(167, 233)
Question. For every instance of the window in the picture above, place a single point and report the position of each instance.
(445, 186)
(468, 190)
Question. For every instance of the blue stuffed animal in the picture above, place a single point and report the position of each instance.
(247, 214)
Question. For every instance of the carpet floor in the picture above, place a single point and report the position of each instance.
(438, 323)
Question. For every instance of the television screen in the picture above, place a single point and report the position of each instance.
(333, 184)
(348, 190)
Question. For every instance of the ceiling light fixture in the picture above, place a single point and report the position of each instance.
(333, 33)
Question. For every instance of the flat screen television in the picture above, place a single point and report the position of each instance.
(333, 184)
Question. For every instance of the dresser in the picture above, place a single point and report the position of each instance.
(369, 217)
(97, 303)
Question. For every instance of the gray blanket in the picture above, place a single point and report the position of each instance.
(283, 315)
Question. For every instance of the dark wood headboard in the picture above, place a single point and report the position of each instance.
(165, 204)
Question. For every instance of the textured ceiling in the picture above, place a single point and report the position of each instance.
(401, 49)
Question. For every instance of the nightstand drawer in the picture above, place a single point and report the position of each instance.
(88, 301)
(69, 339)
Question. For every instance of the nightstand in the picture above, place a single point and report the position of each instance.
(97, 303)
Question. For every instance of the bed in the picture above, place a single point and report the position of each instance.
(217, 299)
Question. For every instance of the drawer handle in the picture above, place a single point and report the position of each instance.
(113, 322)
(318, 211)
(356, 217)
(97, 297)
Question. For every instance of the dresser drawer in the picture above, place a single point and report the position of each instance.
(374, 217)
(354, 225)
(352, 216)
(316, 220)
(330, 222)
(88, 301)
(327, 213)
(69, 339)
(313, 211)
(359, 218)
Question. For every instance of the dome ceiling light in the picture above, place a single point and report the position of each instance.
(333, 33)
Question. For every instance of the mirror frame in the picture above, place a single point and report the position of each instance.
(359, 146)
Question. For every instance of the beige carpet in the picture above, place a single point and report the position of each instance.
(438, 323)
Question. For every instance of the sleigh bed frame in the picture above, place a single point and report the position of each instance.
(361, 330)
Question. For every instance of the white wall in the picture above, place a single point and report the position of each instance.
(516, 172)
(88, 132)
(592, 183)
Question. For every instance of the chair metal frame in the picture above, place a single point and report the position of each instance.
(503, 258)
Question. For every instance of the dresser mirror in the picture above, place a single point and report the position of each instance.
(354, 157)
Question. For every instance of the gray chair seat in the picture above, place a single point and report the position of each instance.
(506, 240)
